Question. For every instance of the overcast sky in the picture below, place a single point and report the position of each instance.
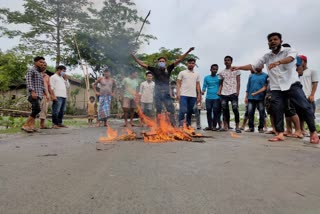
(219, 28)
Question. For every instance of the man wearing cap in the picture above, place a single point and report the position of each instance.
(284, 83)
(107, 91)
(309, 81)
(162, 75)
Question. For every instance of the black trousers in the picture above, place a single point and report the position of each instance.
(298, 100)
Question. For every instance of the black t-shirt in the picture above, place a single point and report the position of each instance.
(161, 77)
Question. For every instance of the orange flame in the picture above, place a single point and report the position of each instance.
(160, 131)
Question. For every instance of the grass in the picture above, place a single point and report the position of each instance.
(79, 123)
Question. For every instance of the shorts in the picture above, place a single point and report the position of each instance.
(91, 117)
(290, 110)
(44, 108)
(128, 103)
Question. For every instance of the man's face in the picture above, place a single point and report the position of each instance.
(214, 70)
(107, 74)
(149, 77)
(191, 65)
(44, 67)
(134, 75)
(39, 63)
(300, 70)
(274, 42)
(227, 62)
(162, 63)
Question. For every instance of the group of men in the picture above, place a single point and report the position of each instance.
(41, 90)
(291, 84)
(290, 88)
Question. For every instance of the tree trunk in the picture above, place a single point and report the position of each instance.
(58, 56)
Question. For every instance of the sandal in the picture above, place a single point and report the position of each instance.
(207, 129)
(314, 139)
(295, 136)
(275, 139)
(270, 132)
(238, 130)
(27, 130)
(45, 127)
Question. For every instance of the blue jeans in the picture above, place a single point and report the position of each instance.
(58, 108)
(186, 107)
(162, 97)
(213, 107)
(298, 100)
(197, 113)
(252, 105)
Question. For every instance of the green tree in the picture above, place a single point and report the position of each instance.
(13, 68)
(170, 55)
(108, 37)
(50, 23)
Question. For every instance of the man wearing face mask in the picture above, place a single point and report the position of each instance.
(284, 83)
(59, 84)
(162, 75)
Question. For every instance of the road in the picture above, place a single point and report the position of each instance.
(60, 171)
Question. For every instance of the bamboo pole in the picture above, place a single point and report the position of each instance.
(84, 68)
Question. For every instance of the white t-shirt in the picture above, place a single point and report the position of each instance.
(284, 75)
(59, 85)
(189, 81)
(229, 85)
(309, 76)
(146, 92)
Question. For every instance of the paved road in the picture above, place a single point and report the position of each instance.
(60, 171)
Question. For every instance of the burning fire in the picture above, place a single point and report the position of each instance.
(112, 135)
(161, 131)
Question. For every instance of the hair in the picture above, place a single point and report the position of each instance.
(229, 57)
(92, 98)
(106, 70)
(214, 65)
(162, 57)
(274, 34)
(286, 45)
(191, 60)
(61, 67)
(148, 72)
(173, 82)
(37, 58)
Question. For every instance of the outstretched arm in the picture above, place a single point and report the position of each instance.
(142, 64)
(243, 67)
(183, 56)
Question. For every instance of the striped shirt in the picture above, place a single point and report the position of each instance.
(34, 81)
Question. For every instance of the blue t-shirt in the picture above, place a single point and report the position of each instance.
(255, 83)
(211, 85)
